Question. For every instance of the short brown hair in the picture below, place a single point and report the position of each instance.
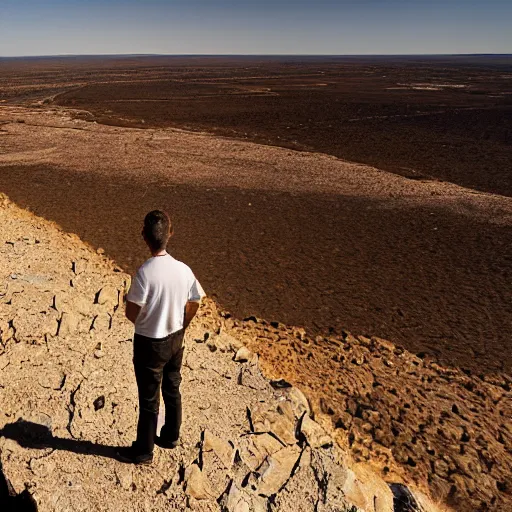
(157, 229)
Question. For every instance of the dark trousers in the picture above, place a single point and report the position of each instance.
(157, 362)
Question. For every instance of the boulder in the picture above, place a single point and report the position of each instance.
(224, 451)
(238, 500)
(108, 296)
(196, 484)
(255, 449)
(251, 377)
(265, 420)
(277, 469)
(69, 323)
(331, 476)
(243, 355)
(298, 401)
(314, 434)
(365, 489)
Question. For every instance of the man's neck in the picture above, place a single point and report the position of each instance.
(161, 252)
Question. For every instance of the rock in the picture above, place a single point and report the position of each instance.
(42, 467)
(98, 351)
(243, 355)
(233, 343)
(237, 500)
(280, 384)
(223, 343)
(69, 323)
(217, 458)
(383, 344)
(196, 484)
(224, 451)
(124, 476)
(192, 362)
(403, 499)
(365, 489)
(299, 402)
(51, 377)
(250, 376)
(256, 448)
(101, 322)
(331, 477)
(303, 493)
(108, 296)
(277, 469)
(315, 435)
(265, 420)
(81, 305)
(79, 266)
(285, 408)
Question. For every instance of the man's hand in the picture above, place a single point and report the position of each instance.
(132, 311)
(190, 312)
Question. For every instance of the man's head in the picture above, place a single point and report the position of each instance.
(157, 230)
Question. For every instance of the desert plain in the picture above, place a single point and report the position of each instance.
(370, 195)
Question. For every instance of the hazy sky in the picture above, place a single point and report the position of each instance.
(39, 27)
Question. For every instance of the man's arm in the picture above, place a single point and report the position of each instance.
(190, 312)
(132, 311)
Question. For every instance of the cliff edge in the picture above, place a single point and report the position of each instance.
(68, 399)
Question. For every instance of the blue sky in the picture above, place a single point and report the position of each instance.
(54, 27)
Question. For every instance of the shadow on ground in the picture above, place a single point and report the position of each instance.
(36, 436)
(426, 278)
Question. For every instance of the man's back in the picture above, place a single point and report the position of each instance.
(162, 287)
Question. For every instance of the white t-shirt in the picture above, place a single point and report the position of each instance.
(162, 287)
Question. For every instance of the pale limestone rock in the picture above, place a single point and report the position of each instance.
(299, 402)
(51, 377)
(222, 449)
(108, 296)
(101, 322)
(238, 500)
(314, 434)
(251, 377)
(366, 490)
(285, 408)
(82, 305)
(80, 266)
(277, 469)
(124, 476)
(196, 484)
(243, 355)
(333, 474)
(254, 449)
(265, 420)
(301, 493)
(69, 323)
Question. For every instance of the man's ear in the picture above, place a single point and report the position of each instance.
(171, 233)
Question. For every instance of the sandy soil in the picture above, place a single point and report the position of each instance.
(445, 118)
(301, 238)
(67, 401)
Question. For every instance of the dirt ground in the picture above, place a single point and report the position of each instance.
(300, 238)
(446, 118)
(308, 240)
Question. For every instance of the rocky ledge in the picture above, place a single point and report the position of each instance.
(68, 399)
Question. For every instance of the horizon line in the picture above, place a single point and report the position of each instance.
(256, 55)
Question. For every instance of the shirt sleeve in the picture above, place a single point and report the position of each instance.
(196, 292)
(138, 293)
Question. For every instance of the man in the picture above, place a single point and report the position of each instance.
(163, 299)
